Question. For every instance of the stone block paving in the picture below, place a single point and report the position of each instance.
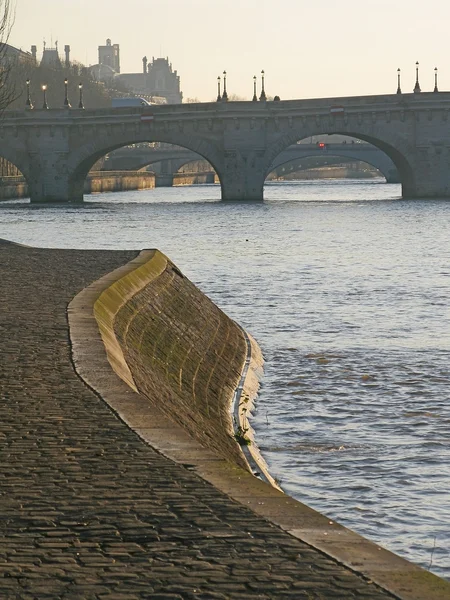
(87, 510)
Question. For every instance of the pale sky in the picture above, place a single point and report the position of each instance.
(308, 48)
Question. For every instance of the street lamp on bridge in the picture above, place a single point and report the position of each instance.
(29, 104)
(44, 89)
(219, 97)
(417, 89)
(255, 98)
(399, 89)
(435, 79)
(66, 94)
(263, 96)
(80, 103)
(225, 95)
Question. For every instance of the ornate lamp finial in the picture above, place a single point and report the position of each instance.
(417, 89)
(263, 96)
(225, 95)
(80, 103)
(66, 94)
(29, 104)
(219, 97)
(45, 105)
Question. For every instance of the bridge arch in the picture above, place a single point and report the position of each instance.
(82, 160)
(396, 150)
(172, 165)
(176, 171)
(13, 172)
(17, 159)
(386, 168)
(183, 163)
(139, 157)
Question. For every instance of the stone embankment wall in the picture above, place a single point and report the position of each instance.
(98, 181)
(118, 181)
(169, 341)
(13, 187)
(193, 178)
(338, 172)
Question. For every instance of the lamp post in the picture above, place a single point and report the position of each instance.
(219, 97)
(399, 89)
(417, 89)
(80, 103)
(66, 94)
(263, 96)
(225, 95)
(44, 89)
(255, 98)
(29, 104)
(435, 79)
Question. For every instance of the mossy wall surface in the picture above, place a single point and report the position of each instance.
(185, 355)
(96, 182)
(118, 181)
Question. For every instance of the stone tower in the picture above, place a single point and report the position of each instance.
(109, 55)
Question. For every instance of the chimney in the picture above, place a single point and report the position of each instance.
(144, 64)
(67, 51)
(34, 53)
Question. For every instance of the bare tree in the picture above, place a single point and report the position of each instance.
(7, 59)
(236, 98)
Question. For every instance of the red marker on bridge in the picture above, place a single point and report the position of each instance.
(147, 116)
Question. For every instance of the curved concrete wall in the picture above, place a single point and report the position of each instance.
(170, 342)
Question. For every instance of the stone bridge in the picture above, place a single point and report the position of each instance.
(55, 149)
(170, 160)
(358, 152)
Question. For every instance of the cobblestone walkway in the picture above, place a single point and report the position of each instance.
(87, 510)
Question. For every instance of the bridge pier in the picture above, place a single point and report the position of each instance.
(426, 189)
(392, 176)
(242, 176)
(56, 192)
(164, 180)
(425, 174)
(49, 180)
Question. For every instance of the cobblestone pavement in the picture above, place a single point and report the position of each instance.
(87, 510)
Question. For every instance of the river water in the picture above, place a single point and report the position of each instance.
(347, 289)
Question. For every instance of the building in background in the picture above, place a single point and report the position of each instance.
(12, 55)
(108, 67)
(156, 80)
(109, 56)
(103, 73)
(50, 56)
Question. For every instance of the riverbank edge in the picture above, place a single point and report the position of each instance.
(242, 406)
(392, 573)
(100, 182)
(96, 182)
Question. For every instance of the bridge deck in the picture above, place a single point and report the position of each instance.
(88, 509)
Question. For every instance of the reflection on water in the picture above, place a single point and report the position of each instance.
(346, 288)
